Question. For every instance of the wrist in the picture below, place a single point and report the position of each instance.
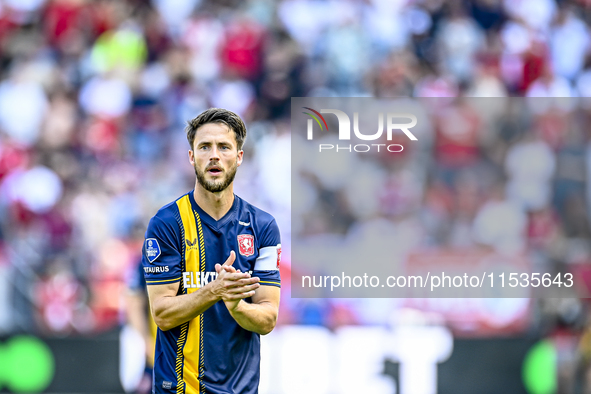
(234, 306)
(214, 290)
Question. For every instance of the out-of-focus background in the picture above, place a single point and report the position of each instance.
(94, 96)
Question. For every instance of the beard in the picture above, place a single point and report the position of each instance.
(218, 185)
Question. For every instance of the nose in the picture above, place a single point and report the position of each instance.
(214, 153)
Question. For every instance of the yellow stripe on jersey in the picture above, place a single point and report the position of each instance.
(192, 349)
(163, 280)
(201, 243)
(180, 385)
(274, 283)
(191, 233)
(202, 269)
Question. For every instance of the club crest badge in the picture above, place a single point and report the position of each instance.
(152, 249)
(246, 244)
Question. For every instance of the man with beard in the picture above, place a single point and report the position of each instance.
(211, 263)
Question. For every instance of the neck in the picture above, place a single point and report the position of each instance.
(215, 205)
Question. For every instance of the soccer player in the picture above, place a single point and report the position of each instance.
(211, 263)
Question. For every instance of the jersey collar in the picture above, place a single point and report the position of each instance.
(211, 222)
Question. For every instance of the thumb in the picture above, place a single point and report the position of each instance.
(230, 260)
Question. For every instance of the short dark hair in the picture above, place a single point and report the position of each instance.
(217, 115)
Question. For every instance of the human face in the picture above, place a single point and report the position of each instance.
(215, 157)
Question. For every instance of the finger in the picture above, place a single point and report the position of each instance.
(244, 289)
(240, 279)
(218, 268)
(229, 268)
(248, 281)
(230, 260)
(232, 284)
(241, 296)
(234, 276)
(240, 288)
(225, 271)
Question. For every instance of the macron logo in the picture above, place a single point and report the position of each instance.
(243, 223)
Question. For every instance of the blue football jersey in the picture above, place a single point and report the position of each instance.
(211, 353)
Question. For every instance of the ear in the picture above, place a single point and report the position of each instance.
(191, 157)
(239, 157)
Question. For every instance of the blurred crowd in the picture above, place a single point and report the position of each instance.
(94, 96)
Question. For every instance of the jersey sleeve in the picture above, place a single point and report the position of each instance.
(161, 257)
(266, 266)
